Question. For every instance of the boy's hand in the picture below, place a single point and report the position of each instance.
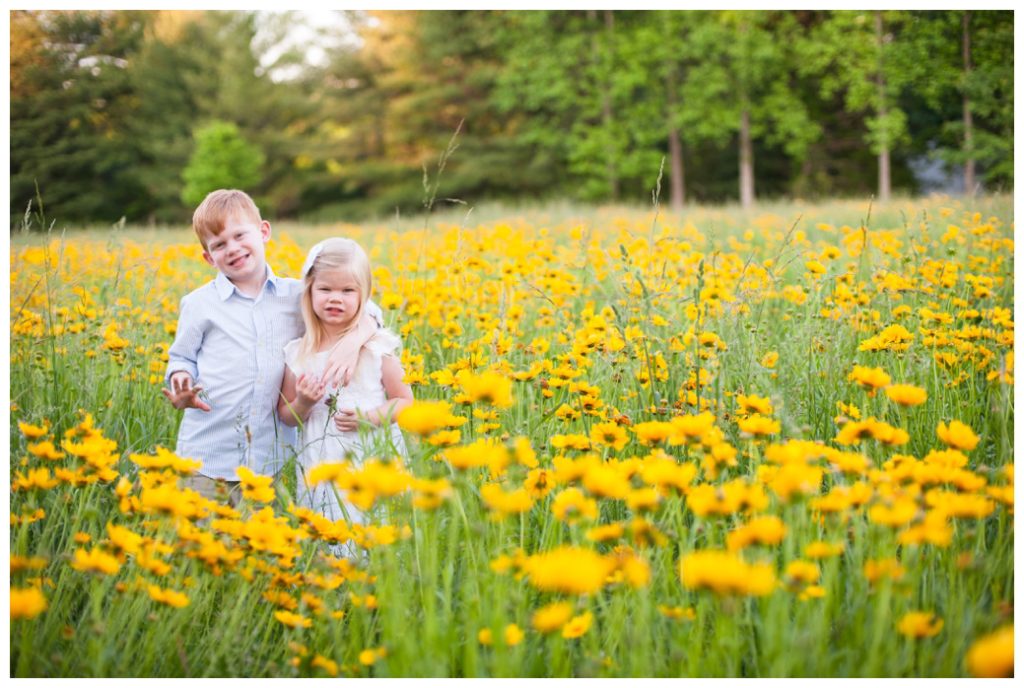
(346, 420)
(342, 361)
(183, 394)
(309, 389)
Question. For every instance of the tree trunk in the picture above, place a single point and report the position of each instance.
(607, 116)
(969, 183)
(884, 182)
(677, 179)
(746, 161)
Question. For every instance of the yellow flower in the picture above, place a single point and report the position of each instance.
(165, 459)
(369, 656)
(37, 478)
(803, 571)
(898, 513)
(811, 592)
(755, 404)
(906, 395)
(815, 268)
(488, 387)
(169, 597)
(608, 434)
(27, 563)
(653, 432)
(27, 603)
(552, 617)
(482, 452)
(606, 480)
(821, 550)
(445, 438)
(123, 539)
(612, 531)
(690, 428)
(877, 569)
(770, 359)
(757, 425)
(957, 435)
(95, 561)
(513, 635)
(504, 503)
(991, 656)
(571, 570)
(763, 530)
(485, 637)
(920, 625)
(795, 478)
(425, 417)
(33, 432)
(255, 487)
(328, 471)
(292, 620)
(329, 666)
(571, 505)
(725, 574)
(577, 625)
(869, 378)
(45, 450)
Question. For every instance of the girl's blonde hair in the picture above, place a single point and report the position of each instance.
(334, 254)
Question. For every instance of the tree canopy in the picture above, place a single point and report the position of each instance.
(108, 107)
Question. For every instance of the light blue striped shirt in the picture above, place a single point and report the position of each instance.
(233, 346)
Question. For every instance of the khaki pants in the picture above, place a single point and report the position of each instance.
(215, 489)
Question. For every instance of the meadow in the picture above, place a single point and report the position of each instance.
(713, 443)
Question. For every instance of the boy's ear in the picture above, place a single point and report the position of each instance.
(207, 257)
(265, 231)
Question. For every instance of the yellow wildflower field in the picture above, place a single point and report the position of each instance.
(643, 445)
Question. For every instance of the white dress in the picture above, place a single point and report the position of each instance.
(319, 441)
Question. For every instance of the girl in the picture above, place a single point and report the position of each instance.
(356, 420)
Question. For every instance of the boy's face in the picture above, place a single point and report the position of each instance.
(238, 251)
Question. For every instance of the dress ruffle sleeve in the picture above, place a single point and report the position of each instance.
(384, 342)
(291, 356)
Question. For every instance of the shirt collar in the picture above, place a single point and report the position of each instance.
(225, 288)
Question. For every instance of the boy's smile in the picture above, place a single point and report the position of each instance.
(238, 252)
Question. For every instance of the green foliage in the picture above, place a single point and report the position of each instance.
(552, 104)
(222, 159)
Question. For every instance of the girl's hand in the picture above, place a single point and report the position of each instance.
(346, 420)
(342, 360)
(309, 389)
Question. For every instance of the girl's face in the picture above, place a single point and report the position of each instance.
(336, 299)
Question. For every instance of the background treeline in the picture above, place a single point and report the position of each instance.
(135, 114)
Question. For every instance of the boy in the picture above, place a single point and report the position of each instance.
(230, 342)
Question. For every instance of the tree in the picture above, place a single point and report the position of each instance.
(966, 58)
(869, 78)
(222, 160)
(71, 99)
(741, 84)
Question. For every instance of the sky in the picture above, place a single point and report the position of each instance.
(313, 30)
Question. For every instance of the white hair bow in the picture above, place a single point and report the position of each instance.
(311, 258)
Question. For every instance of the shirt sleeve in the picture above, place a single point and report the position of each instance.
(188, 340)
